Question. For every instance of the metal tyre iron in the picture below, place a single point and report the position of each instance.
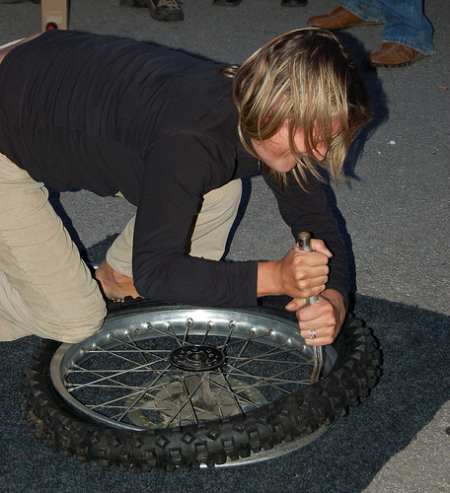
(168, 387)
(304, 243)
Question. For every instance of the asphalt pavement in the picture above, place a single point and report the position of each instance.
(396, 205)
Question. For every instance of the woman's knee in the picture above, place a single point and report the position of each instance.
(74, 324)
(223, 199)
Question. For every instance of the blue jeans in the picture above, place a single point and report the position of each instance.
(404, 21)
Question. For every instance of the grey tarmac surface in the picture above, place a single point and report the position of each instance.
(396, 208)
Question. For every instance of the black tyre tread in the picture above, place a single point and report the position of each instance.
(356, 371)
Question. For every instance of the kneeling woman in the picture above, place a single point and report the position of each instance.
(174, 134)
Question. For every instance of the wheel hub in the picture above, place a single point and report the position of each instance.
(209, 400)
(197, 358)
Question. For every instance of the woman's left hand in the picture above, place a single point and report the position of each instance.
(321, 322)
(115, 286)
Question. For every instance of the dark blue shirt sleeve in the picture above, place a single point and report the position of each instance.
(179, 170)
(311, 210)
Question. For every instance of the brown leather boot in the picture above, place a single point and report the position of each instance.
(339, 18)
(394, 55)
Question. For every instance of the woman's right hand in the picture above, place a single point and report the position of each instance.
(298, 274)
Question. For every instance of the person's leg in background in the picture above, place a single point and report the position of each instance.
(54, 14)
(46, 289)
(407, 33)
(208, 240)
(349, 13)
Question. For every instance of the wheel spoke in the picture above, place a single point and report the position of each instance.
(191, 405)
(231, 327)
(272, 378)
(170, 334)
(244, 374)
(143, 367)
(261, 358)
(234, 391)
(233, 394)
(120, 356)
(209, 326)
(188, 325)
(75, 386)
(185, 403)
(137, 393)
(143, 392)
(277, 361)
(118, 351)
(244, 347)
(120, 385)
(131, 344)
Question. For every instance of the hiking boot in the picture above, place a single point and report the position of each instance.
(339, 18)
(166, 10)
(394, 55)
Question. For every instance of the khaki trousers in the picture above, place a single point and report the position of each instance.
(45, 287)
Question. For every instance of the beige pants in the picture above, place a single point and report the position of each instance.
(45, 287)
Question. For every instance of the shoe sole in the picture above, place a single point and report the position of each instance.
(397, 65)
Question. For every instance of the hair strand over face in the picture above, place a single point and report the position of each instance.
(303, 77)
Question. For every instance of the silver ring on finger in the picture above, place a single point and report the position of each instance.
(312, 334)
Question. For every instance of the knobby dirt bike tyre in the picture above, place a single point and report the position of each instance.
(301, 413)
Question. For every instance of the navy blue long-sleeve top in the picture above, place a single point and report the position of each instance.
(108, 114)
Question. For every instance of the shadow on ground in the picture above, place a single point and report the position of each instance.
(345, 459)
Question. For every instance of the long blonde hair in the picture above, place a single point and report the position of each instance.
(303, 77)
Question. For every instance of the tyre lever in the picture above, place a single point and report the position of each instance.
(304, 243)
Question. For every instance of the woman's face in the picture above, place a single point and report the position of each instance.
(275, 152)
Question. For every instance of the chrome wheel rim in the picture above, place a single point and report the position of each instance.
(209, 364)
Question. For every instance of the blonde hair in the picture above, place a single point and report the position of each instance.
(303, 77)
